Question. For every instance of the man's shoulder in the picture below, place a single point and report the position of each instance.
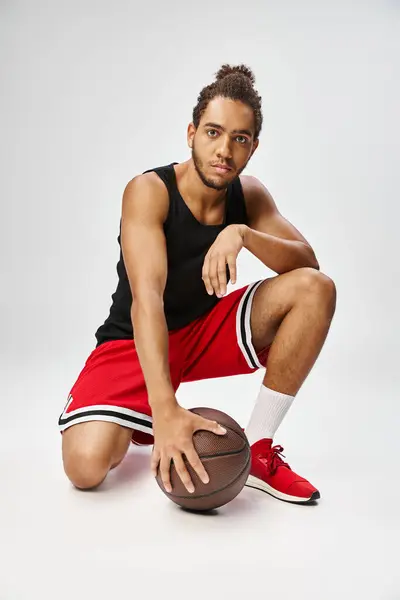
(256, 194)
(251, 186)
(148, 180)
(249, 180)
(145, 192)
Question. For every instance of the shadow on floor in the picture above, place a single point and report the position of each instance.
(134, 468)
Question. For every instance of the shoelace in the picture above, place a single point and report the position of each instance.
(272, 459)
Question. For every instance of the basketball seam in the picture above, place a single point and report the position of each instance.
(240, 433)
(225, 453)
(215, 491)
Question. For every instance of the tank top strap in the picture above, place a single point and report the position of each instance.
(167, 175)
(236, 210)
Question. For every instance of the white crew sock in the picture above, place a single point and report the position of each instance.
(268, 413)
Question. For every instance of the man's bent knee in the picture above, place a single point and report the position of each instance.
(312, 280)
(90, 450)
(86, 469)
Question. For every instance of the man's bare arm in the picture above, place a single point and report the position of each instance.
(144, 209)
(143, 243)
(271, 237)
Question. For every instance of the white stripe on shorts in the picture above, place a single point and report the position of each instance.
(243, 330)
(106, 412)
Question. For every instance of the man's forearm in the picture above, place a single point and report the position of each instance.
(151, 341)
(278, 254)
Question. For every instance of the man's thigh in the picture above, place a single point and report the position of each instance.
(220, 343)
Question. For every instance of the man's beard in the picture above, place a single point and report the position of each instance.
(198, 165)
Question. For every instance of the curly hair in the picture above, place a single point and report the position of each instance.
(236, 83)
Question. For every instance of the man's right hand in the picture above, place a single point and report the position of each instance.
(173, 431)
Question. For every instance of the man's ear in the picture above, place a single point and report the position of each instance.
(191, 131)
(255, 146)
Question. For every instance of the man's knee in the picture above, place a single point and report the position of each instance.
(312, 281)
(90, 450)
(86, 467)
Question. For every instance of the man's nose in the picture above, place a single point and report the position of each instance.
(225, 149)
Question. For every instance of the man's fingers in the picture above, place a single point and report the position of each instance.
(208, 285)
(183, 473)
(196, 463)
(155, 459)
(221, 272)
(231, 260)
(213, 274)
(206, 275)
(209, 425)
(165, 472)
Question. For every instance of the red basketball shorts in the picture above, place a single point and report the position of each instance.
(111, 386)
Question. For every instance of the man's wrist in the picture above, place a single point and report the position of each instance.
(162, 406)
(244, 231)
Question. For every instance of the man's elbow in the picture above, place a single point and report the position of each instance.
(315, 265)
(146, 299)
(313, 262)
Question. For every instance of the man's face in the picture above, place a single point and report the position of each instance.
(225, 135)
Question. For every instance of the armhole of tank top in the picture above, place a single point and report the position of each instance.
(165, 177)
(169, 180)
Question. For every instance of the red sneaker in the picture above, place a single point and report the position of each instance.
(271, 474)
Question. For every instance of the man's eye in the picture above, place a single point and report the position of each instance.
(239, 137)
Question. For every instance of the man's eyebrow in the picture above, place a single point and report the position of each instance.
(216, 126)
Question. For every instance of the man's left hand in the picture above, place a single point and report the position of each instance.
(224, 251)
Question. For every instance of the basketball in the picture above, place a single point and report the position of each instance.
(226, 458)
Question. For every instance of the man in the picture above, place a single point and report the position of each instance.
(182, 228)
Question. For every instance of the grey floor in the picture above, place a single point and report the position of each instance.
(127, 539)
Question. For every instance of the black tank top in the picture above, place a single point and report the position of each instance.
(188, 241)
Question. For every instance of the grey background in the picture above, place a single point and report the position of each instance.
(93, 94)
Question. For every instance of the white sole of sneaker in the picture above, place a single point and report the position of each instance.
(257, 484)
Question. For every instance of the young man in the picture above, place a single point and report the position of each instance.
(182, 228)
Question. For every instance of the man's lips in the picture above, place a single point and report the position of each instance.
(222, 168)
